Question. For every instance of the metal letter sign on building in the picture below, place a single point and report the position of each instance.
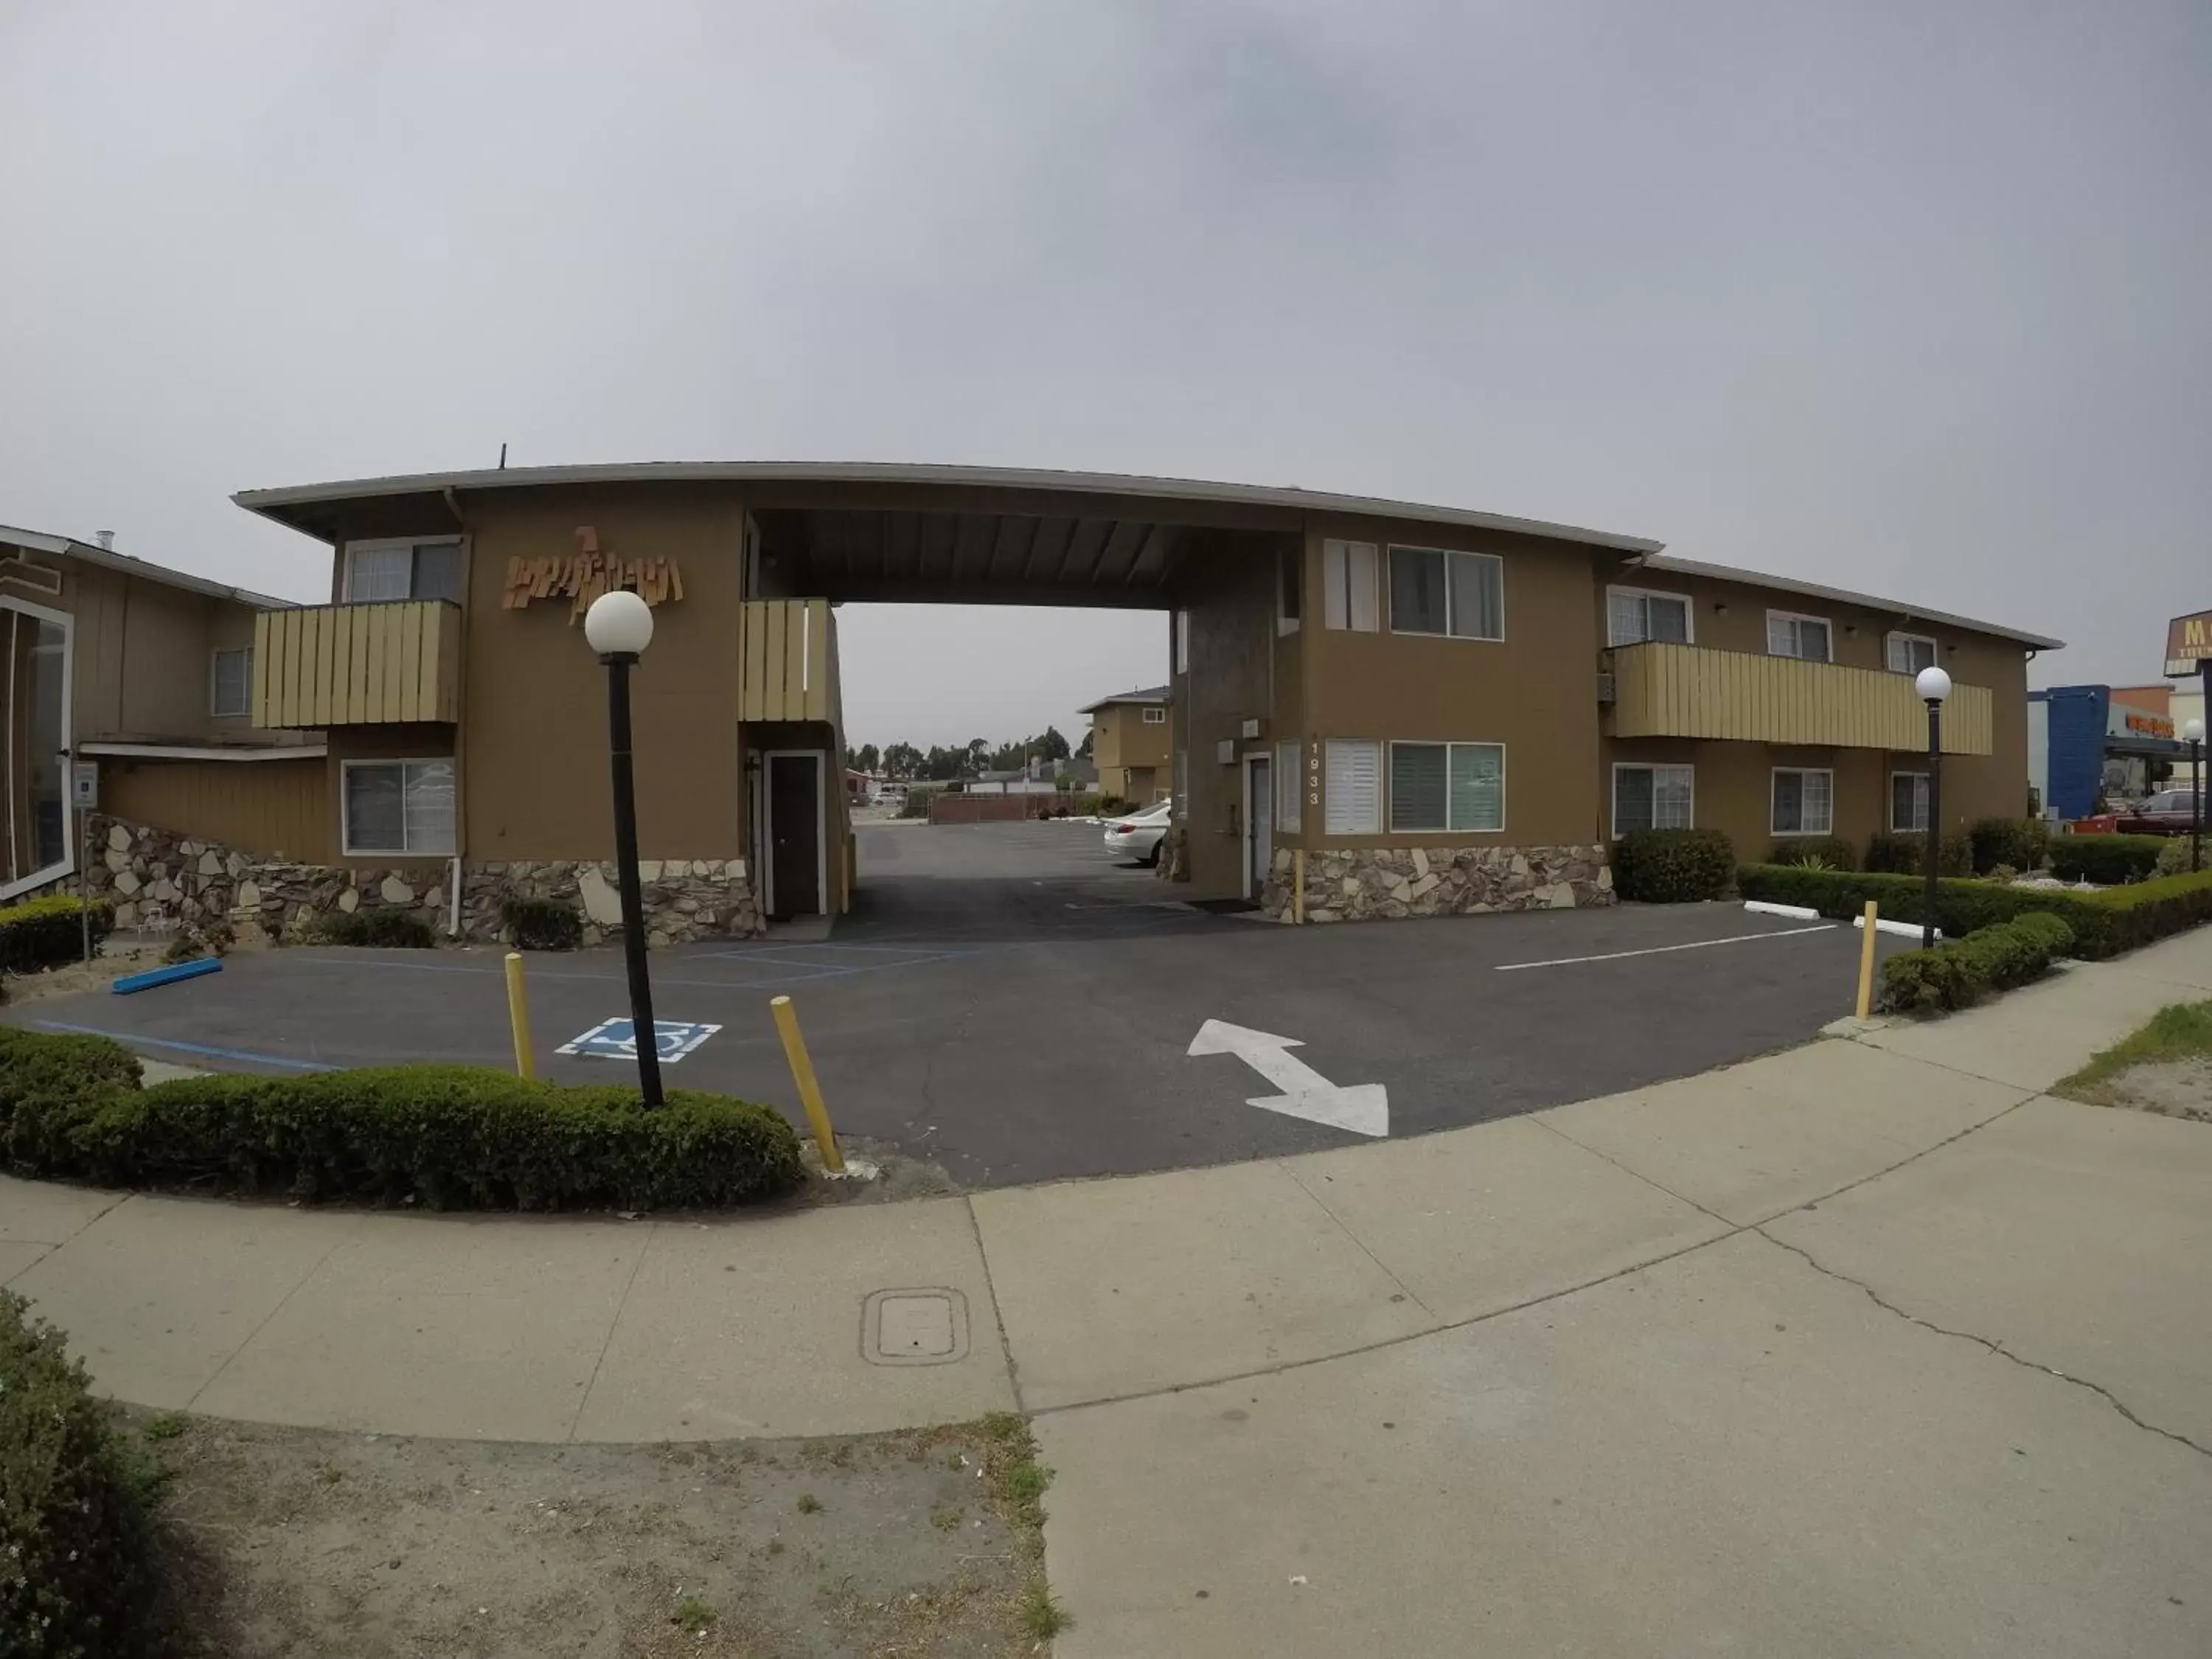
(613, 1039)
(2188, 643)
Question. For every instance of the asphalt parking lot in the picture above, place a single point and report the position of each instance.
(1008, 1001)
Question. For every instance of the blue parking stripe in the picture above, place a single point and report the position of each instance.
(210, 1052)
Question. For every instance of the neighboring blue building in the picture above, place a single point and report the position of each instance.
(2080, 741)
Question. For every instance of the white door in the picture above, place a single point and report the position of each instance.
(1259, 813)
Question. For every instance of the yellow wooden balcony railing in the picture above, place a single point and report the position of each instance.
(357, 665)
(1689, 691)
(789, 662)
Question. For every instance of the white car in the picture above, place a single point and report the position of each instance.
(1137, 835)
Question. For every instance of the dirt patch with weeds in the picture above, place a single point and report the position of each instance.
(2177, 1088)
(375, 1546)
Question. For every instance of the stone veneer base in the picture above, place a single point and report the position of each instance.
(1368, 884)
(192, 879)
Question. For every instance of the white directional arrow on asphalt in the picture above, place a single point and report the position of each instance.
(1362, 1107)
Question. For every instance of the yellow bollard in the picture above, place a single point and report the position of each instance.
(518, 1016)
(1866, 963)
(810, 1092)
(1299, 884)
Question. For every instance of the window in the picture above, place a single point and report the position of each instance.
(1790, 635)
(403, 807)
(230, 688)
(1633, 616)
(379, 572)
(1290, 578)
(1435, 592)
(1351, 786)
(1447, 786)
(1347, 572)
(1804, 801)
(1652, 797)
(1287, 787)
(1155, 715)
(1183, 641)
(1910, 652)
(1908, 800)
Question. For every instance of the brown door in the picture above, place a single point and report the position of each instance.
(794, 835)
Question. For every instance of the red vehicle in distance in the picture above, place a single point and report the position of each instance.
(2166, 813)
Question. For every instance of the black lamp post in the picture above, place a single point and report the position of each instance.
(1933, 685)
(619, 626)
(2194, 731)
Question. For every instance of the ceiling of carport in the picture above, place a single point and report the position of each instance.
(889, 554)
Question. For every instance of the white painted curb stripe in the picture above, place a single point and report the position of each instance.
(1908, 929)
(1799, 912)
(1660, 950)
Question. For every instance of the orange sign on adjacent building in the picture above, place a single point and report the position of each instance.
(2188, 642)
(583, 575)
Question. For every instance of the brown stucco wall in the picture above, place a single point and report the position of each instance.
(1121, 737)
(1230, 596)
(1535, 691)
(534, 708)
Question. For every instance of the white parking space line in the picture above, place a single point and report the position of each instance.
(1659, 950)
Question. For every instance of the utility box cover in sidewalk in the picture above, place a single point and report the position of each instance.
(926, 1326)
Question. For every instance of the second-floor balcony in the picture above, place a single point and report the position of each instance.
(1690, 691)
(357, 665)
(788, 662)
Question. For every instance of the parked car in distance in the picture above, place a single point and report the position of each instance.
(2166, 813)
(1137, 835)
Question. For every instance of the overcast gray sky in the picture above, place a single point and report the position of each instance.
(1912, 297)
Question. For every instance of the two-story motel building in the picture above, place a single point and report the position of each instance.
(1376, 708)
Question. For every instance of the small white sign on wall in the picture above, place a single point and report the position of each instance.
(84, 786)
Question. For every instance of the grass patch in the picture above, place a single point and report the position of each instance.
(809, 1503)
(1040, 1612)
(695, 1615)
(2181, 1031)
(169, 1425)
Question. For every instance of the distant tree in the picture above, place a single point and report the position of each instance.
(1052, 745)
(871, 759)
(1085, 750)
(903, 762)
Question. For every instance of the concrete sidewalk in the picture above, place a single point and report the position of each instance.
(1862, 1347)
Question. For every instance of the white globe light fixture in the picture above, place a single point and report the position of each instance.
(2193, 732)
(620, 624)
(1933, 684)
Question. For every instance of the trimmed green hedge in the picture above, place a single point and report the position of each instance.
(2108, 860)
(77, 1573)
(45, 932)
(542, 924)
(452, 1136)
(381, 925)
(1993, 958)
(1832, 852)
(1672, 867)
(2104, 923)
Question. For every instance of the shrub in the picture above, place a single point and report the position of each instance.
(2104, 923)
(381, 925)
(1821, 852)
(2173, 860)
(1673, 866)
(2020, 842)
(1993, 959)
(542, 924)
(453, 1136)
(46, 931)
(2108, 860)
(76, 1574)
(1901, 854)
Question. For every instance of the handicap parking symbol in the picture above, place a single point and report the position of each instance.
(617, 1039)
